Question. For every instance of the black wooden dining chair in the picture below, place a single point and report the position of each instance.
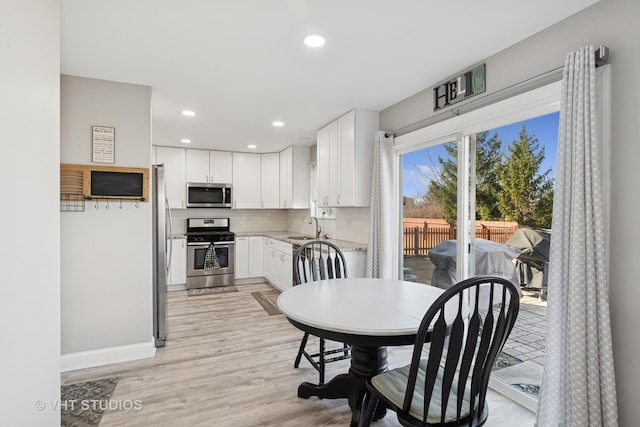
(319, 260)
(448, 387)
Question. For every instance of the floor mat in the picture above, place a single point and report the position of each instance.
(211, 291)
(504, 360)
(267, 300)
(525, 377)
(85, 403)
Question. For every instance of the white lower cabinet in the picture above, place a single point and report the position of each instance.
(278, 263)
(356, 263)
(242, 258)
(178, 266)
(270, 255)
(249, 257)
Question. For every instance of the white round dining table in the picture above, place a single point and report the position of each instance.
(369, 314)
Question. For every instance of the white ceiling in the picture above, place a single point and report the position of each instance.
(241, 64)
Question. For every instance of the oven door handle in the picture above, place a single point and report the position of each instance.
(206, 245)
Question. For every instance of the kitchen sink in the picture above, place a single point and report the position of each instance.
(300, 237)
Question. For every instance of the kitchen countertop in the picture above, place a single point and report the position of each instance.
(285, 236)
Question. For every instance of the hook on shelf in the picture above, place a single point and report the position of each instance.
(137, 205)
(107, 203)
(97, 206)
(120, 203)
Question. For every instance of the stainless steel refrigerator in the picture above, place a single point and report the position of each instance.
(161, 253)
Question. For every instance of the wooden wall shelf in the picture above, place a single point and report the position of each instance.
(110, 182)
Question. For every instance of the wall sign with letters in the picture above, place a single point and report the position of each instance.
(460, 88)
(103, 138)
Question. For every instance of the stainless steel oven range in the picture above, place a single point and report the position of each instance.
(210, 253)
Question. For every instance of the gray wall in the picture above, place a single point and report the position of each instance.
(29, 253)
(106, 253)
(613, 23)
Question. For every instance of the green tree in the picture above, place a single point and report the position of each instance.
(527, 193)
(444, 187)
(489, 164)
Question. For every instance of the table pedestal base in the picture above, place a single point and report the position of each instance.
(366, 362)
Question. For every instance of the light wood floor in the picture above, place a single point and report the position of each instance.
(228, 363)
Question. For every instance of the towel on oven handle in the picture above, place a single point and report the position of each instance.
(211, 259)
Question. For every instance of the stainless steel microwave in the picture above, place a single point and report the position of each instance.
(208, 195)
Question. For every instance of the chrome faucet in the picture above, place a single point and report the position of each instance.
(318, 228)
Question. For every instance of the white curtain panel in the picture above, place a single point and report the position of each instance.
(578, 387)
(381, 223)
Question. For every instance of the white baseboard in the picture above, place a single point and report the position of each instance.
(107, 356)
(249, 280)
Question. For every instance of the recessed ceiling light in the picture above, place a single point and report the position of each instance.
(185, 140)
(251, 146)
(188, 113)
(278, 124)
(314, 40)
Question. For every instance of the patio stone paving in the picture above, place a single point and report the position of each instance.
(527, 340)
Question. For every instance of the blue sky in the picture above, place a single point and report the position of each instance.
(545, 128)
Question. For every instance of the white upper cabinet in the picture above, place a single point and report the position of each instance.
(209, 166)
(197, 165)
(327, 164)
(220, 167)
(294, 177)
(285, 179)
(246, 181)
(270, 182)
(345, 156)
(174, 160)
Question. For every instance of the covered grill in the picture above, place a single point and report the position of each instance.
(532, 265)
(492, 258)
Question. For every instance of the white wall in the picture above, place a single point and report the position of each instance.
(613, 23)
(106, 253)
(29, 253)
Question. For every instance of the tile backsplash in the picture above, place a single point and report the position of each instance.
(351, 224)
(240, 220)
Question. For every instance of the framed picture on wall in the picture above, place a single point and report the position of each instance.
(103, 139)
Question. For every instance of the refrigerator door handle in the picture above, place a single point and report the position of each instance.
(170, 239)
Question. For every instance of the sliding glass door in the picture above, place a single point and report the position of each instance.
(430, 213)
(468, 196)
